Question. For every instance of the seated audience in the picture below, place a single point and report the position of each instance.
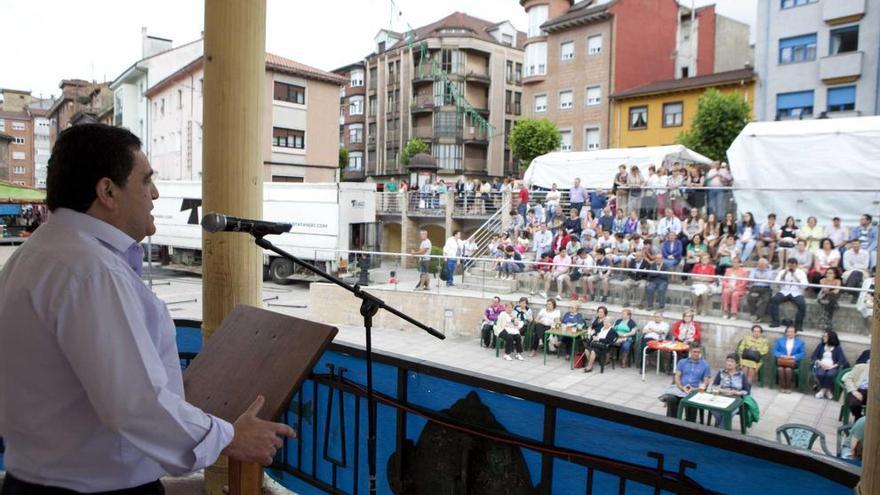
(828, 296)
(490, 316)
(760, 291)
(600, 341)
(855, 266)
(583, 274)
(656, 284)
(812, 234)
(656, 329)
(690, 374)
(572, 319)
(524, 313)
(547, 317)
(734, 286)
(802, 255)
(634, 283)
(752, 349)
(507, 328)
(671, 251)
(702, 283)
(828, 359)
(856, 384)
(560, 274)
(602, 273)
(626, 329)
(746, 234)
(730, 381)
(788, 350)
(824, 258)
(687, 330)
(791, 282)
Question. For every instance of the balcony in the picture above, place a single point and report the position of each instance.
(424, 132)
(844, 67)
(842, 11)
(354, 174)
(477, 77)
(475, 135)
(355, 90)
(472, 165)
(423, 104)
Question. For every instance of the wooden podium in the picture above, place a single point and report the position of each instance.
(254, 352)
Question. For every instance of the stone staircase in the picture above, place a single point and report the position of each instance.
(480, 276)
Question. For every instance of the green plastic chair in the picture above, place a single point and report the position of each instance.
(838, 383)
(802, 437)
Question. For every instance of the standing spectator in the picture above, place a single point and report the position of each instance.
(690, 374)
(856, 384)
(866, 234)
(598, 202)
(812, 233)
(424, 253)
(452, 250)
(671, 252)
(649, 194)
(634, 284)
(838, 234)
(760, 291)
(469, 247)
(547, 318)
(621, 190)
(695, 182)
(855, 266)
(828, 296)
(746, 233)
(702, 283)
(716, 196)
(656, 284)
(490, 316)
(827, 360)
(661, 192)
(733, 287)
(792, 281)
(752, 349)
(676, 197)
(577, 196)
(542, 243)
(523, 207)
(769, 236)
(669, 224)
(560, 274)
(553, 198)
(626, 329)
(635, 182)
(507, 328)
(823, 259)
(788, 350)
(484, 197)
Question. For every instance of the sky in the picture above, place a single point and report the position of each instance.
(45, 41)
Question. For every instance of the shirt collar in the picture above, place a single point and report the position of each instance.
(104, 232)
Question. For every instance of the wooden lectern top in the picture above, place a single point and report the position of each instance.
(254, 352)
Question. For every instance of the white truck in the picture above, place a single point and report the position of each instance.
(325, 217)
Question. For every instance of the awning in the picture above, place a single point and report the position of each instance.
(16, 194)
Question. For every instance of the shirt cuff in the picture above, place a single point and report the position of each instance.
(218, 437)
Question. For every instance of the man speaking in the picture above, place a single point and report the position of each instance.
(91, 392)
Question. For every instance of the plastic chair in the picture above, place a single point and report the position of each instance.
(838, 383)
(802, 437)
(842, 436)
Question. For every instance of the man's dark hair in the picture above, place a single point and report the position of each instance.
(868, 217)
(83, 155)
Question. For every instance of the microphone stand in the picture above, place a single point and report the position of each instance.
(370, 305)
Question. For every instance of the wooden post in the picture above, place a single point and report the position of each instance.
(232, 179)
(870, 482)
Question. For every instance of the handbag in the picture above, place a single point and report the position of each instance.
(444, 273)
(785, 362)
(751, 355)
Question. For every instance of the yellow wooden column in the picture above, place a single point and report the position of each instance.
(232, 180)
(870, 483)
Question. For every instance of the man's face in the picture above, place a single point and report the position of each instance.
(607, 211)
(836, 223)
(496, 301)
(864, 221)
(423, 235)
(856, 245)
(577, 182)
(669, 213)
(135, 200)
(695, 354)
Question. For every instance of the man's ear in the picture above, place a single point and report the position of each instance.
(105, 193)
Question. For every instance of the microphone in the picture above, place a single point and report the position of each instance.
(217, 222)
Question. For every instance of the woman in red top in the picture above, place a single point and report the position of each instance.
(703, 282)
(686, 330)
(733, 290)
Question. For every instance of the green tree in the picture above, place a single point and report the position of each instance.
(413, 148)
(343, 158)
(719, 120)
(531, 138)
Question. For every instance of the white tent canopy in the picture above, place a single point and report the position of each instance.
(825, 168)
(597, 169)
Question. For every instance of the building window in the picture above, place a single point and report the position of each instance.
(517, 103)
(290, 93)
(507, 39)
(448, 156)
(452, 61)
(17, 140)
(565, 144)
(594, 95)
(536, 59)
(18, 155)
(162, 107)
(117, 108)
(372, 107)
(794, 105)
(179, 99)
(842, 99)
(787, 4)
(509, 72)
(447, 124)
(540, 103)
(288, 138)
(445, 91)
(537, 16)
(591, 139)
(566, 50)
(356, 105)
(844, 40)
(565, 99)
(797, 49)
(672, 114)
(355, 160)
(357, 77)
(508, 101)
(356, 134)
(18, 169)
(594, 45)
(18, 126)
(638, 117)
(518, 73)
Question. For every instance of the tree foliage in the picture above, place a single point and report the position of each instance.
(719, 120)
(531, 138)
(413, 148)
(343, 158)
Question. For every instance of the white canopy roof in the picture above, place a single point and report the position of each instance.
(597, 169)
(840, 156)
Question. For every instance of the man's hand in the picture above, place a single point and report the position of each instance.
(256, 440)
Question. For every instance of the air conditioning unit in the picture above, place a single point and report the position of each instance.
(566, 104)
(541, 108)
(567, 56)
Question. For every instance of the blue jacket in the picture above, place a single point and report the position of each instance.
(797, 351)
(836, 354)
(674, 249)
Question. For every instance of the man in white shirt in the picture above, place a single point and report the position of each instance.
(792, 281)
(838, 233)
(451, 251)
(543, 241)
(92, 398)
(424, 252)
(855, 266)
(669, 223)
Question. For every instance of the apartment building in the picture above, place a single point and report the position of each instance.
(352, 119)
(578, 53)
(300, 123)
(18, 125)
(817, 58)
(451, 83)
(80, 101)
